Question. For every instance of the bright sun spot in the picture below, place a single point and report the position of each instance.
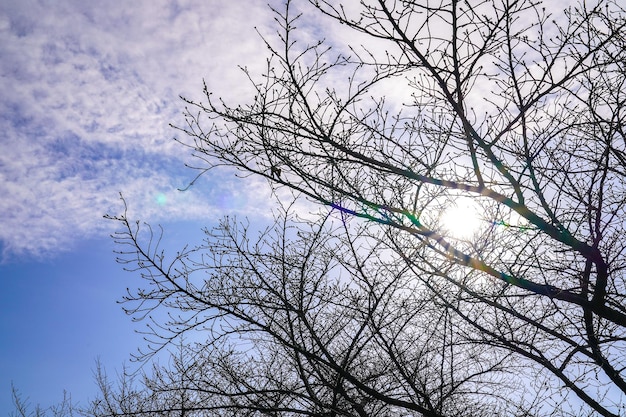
(461, 219)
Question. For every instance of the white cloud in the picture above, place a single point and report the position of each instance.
(89, 89)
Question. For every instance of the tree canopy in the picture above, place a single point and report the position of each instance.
(369, 302)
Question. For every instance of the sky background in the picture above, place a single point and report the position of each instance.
(87, 92)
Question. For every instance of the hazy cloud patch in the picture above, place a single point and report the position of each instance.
(89, 90)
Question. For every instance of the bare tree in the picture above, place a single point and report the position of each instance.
(308, 319)
(375, 308)
(23, 408)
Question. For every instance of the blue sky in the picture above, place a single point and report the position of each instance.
(88, 90)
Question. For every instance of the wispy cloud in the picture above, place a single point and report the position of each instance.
(88, 92)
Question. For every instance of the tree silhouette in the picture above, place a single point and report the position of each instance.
(373, 307)
(23, 408)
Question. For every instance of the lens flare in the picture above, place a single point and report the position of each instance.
(161, 199)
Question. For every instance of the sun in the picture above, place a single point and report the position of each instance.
(461, 219)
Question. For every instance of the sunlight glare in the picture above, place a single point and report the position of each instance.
(461, 220)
